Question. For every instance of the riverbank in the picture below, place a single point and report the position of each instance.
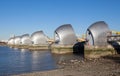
(104, 66)
(3, 43)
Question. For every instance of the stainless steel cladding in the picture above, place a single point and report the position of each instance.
(17, 40)
(25, 39)
(97, 34)
(64, 35)
(11, 41)
(39, 38)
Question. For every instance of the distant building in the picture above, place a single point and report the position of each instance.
(97, 34)
(39, 38)
(25, 39)
(17, 40)
(65, 35)
(4, 41)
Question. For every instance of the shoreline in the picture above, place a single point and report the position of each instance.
(104, 66)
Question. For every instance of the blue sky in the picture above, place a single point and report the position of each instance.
(27, 16)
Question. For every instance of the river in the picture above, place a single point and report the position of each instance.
(16, 61)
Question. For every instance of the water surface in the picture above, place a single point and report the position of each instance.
(16, 61)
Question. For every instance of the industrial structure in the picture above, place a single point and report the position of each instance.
(25, 39)
(39, 38)
(98, 41)
(65, 35)
(17, 40)
(97, 34)
(11, 41)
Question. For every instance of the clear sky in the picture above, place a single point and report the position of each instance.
(27, 16)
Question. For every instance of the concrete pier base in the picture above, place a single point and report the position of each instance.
(31, 47)
(97, 52)
(38, 47)
(89, 51)
(19, 46)
(62, 49)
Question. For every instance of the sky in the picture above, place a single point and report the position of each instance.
(18, 17)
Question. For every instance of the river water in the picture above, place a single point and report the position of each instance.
(16, 61)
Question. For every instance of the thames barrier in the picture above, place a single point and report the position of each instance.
(98, 41)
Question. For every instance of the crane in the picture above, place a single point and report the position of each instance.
(115, 32)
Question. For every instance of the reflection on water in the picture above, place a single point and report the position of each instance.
(16, 61)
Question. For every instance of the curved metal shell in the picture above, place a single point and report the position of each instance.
(17, 40)
(11, 41)
(39, 38)
(97, 33)
(65, 35)
(25, 39)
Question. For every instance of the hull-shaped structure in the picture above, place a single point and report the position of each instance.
(17, 40)
(39, 38)
(97, 34)
(25, 39)
(11, 41)
(64, 35)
